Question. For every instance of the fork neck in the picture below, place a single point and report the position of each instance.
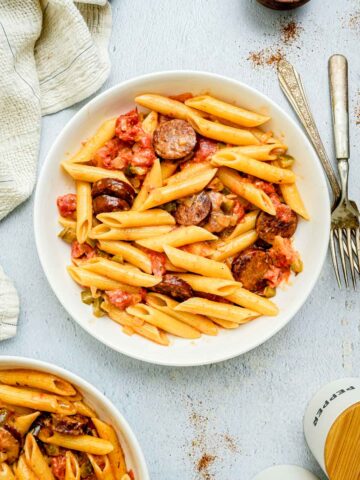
(343, 167)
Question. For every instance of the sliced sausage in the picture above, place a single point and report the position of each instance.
(249, 268)
(194, 213)
(284, 223)
(174, 139)
(74, 425)
(113, 188)
(9, 445)
(174, 287)
(105, 203)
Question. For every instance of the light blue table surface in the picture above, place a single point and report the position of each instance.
(247, 412)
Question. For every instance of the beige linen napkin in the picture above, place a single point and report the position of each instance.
(53, 53)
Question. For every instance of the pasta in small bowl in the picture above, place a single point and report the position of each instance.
(56, 426)
(185, 213)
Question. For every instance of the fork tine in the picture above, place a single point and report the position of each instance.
(351, 258)
(357, 238)
(334, 258)
(342, 256)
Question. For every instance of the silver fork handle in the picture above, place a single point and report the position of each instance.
(292, 87)
(338, 73)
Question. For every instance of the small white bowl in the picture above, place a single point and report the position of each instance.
(311, 238)
(104, 408)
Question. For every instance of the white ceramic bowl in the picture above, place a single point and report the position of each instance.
(104, 408)
(311, 238)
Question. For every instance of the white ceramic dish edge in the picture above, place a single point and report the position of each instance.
(133, 452)
(231, 350)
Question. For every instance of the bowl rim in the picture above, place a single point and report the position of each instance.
(130, 439)
(226, 355)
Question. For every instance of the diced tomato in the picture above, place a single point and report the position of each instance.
(82, 250)
(282, 252)
(182, 97)
(239, 209)
(283, 212)
(143, 156)
(108, 152)
(276, 275)
(128, 127)
(131, 474)
(205, 149)
(58, 466)
(67, 205)
(122, 299)
(266, 187)
(158, 261)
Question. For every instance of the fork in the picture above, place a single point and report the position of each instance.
(292, 87)
(345, 217)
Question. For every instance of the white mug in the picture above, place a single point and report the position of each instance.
(323, 410)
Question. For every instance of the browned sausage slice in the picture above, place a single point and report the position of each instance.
(174, 287)
(283, 224)
(174, 139)
(105, 203)
(194, 213)
(249, 268)
(113, 188)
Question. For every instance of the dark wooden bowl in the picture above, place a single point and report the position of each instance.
(283, 4)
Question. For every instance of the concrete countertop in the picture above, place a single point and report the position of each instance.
(244, 414)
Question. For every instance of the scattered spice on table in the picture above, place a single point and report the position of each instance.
(290, 32)
(230, 443)
(354, 20)
(267, 56)
(204, 463)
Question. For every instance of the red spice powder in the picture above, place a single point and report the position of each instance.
(267, 56)
(290, 32)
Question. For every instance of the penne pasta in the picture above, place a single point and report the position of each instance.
(23, 423)
(128, 252)
(292, 197)
(83, 211)
(120, 316)
(83, 409)
(80, 443)
(72, 468)
(253, 167)
(215, 286)
(116, 457)
(235, 245)
(198, 264)
(36, 400)
(220, 132)
(5, 472)
(104, 232)
(224, 323)
(102, 467)
(167, 305)
(86, 278)
(236, 184)
(167, 169)
(23, 471)
(166, 194)
(246, 224)
(88, 149)
(32, 378)
(166, 106)
(153, 217)
(163, 321)
(122, 273)
(150, 123)
(36, 460)
(177, 238)
(188, 172)
(259, 152)
(152, 333)
(87, 173)
(152, 180)
(252, 301)
(223, 311)
(232, 113)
